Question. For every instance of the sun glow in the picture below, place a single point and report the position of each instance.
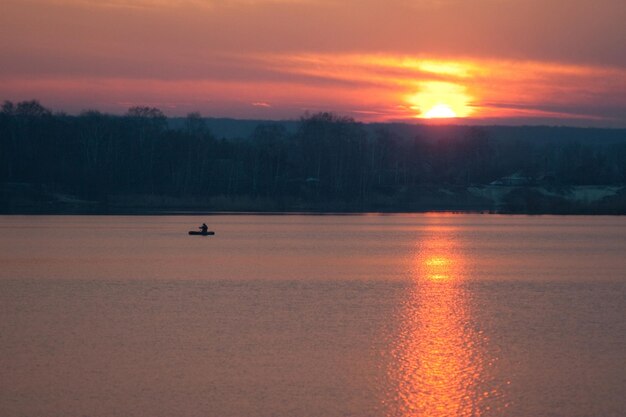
(439, 99)
(440, 111)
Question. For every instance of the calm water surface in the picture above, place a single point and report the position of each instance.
(407, 315)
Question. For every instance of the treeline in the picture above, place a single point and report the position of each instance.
(329, 162)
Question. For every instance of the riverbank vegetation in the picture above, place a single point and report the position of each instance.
(141, 162)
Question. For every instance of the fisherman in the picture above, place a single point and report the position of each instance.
(204, 228)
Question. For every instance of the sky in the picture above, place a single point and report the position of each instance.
(557, 62)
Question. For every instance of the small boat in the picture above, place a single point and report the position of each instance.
(207, 233)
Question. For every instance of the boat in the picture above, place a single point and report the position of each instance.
(196, 233)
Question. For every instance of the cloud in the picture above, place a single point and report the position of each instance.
(361, 56)
(369, 87)
(161, 4)
(572, 31)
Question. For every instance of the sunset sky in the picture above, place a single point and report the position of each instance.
(557, 62)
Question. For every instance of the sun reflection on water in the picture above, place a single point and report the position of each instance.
(437, 361)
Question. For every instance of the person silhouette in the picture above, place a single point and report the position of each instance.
(204, 228)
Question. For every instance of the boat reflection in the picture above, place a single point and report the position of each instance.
(437, 363)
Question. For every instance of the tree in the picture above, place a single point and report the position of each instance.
(30, 109)
(8, 108)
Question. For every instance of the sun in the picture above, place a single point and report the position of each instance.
(440, 111)
(440, 100)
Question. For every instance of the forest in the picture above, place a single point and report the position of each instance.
(144, 162)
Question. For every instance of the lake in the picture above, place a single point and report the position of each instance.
(299, 315)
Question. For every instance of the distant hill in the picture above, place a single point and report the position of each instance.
(533, 133)
(241, 129)
(224, 128)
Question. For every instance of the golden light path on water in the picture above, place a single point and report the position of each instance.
(439, 364)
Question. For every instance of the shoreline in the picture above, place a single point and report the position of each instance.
(474, 199)
(167, 212)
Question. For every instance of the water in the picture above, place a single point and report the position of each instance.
(404, 315)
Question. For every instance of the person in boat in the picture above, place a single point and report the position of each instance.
(204, 228)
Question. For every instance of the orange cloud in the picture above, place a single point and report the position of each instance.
(483, 60)
(369, 87)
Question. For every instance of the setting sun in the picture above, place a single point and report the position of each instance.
(440, 111)
(439, 99)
